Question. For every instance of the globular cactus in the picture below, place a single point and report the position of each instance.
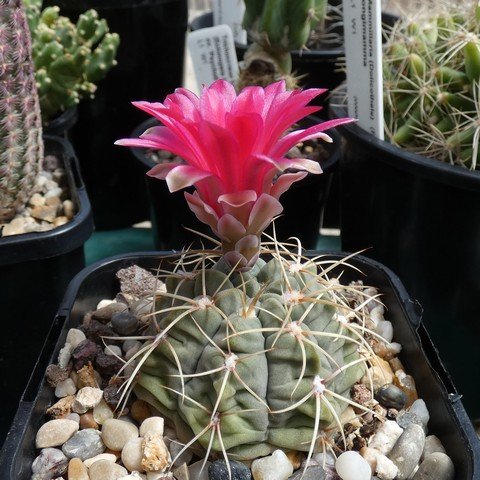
(247, 362)
(277, 27)
(432, 83)
(21, 146)
(69, 59)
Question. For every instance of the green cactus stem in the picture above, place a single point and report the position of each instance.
(21, 146)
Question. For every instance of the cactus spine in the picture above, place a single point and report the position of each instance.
(432, 83)
(277, 27)
(21, 147)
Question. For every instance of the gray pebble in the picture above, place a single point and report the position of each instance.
(311, 473)
(407, 450)
(124, 323)
(437, 466)
(404, 419)
(84, 444)
(49, 464)
(432, 445)
(420, 409)
(391, 396)
(218, 471)
(128, 344)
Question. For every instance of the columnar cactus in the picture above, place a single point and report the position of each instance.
(21, 147)
(69, 59)
(250, 354)
(277, 27)
(432, 83)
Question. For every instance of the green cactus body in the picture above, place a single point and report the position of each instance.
(432, 89)
(21, 146)
(69, 59)
(253, 361)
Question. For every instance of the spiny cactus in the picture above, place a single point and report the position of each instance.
(247, 362)
(277, 27)
(432, 83)
(21, 146)
(69, 59)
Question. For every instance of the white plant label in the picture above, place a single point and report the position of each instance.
(363, 48)
(213, 54)
(230, 12)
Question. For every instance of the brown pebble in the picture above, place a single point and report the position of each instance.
(361, 394)
(296, 458)
(396, 364)
(77, 470)
(60, 221)
(407, 384)
(52, 202)
(62, 408)
(44, 212)
(86, 377)
(87, 421)
(104, 314)
(140, 410)
(54, 375)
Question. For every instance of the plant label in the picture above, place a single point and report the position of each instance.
(230, 12)
(363, 49)
(213, 54)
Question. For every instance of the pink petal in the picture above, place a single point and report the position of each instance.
(238, 199)
(282, 164)
(202, 211)
(284, 182)
(161, 170)
(184, 176)
(263, 212)
(229, 228)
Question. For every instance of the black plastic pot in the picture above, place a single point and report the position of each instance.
(303, 203)
(35, 269)
(448, 418)
(150, 66)
(421, 217)
(62, 124)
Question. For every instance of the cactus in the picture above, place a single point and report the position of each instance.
(277, 27)
(432, 83)
(251, 354)
(21, 151)
(69, 59)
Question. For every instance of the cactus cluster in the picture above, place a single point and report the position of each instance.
(247, 362)
(277, 27)
(432, 83)
(69, 59)
(21, 146)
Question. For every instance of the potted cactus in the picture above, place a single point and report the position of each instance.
(35, 266)
(69, 60)
(245, 352)
(416, 194)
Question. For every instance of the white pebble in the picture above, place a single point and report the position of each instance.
(419, 408)
(102, 412)
(352, 466)
(55, 433)
(106, 470)
(104, 303)
(65, 388)
(116, 433)
(128, 344)
(132, 453)
(152, 425)
(75, 417)
(113, 350)
(87, 398)
(65, 355)
(75, 336)
(385, 330)
(385, 437)
(54, 192)
(276, 466)
(102, 456)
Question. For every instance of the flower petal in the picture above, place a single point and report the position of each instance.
(181, 176)
(229, 228)
(285, 181)
(263, 212)
(202, 210)
(238, 199)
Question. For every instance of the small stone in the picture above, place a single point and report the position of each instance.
(44, 212)
(391, 396)
(84, 444)
(116, 433)
(50, 463)
(36, 200)
(55, 433)
(218, 470)
(103, 456)
(379, 463)
(349, 416)
(107, 364)
(432, 445)
(175, 448)
(152, 425)
(106, 470)
(113, 350)
(142, 308)
(130, 353)
(436, 466)
(380, 374)
(59, 221)
(95, 330)
(386, 436)
(65, 388)
(74, 337)
(132, 454)
(161, 475)
(407, 384)
(128, 344)
(138, 282)
(68, 209)
(385, 330)
(88, 421)
(124, 323)
(324, 459)
(181, 472)
(156, 457)
(86, 377)
(140, 411)
(404, 419)
(396, 364)
(85, 352)
(105, 311)
(112, 395)
(77, 470)
(420, 409)
(296, 458)
(86, 399)
(199, 470)
(53, 202)
(62, 408)
(276, 466)
(407, 450)
(361, 394)
(352, 466)
(54, 375)
(74, 416)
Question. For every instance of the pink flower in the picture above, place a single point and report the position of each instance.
(234, 147)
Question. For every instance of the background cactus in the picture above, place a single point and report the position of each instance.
(21, 147)
(252, 361)
(69, 59)
(432, 74)
(277, 27)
